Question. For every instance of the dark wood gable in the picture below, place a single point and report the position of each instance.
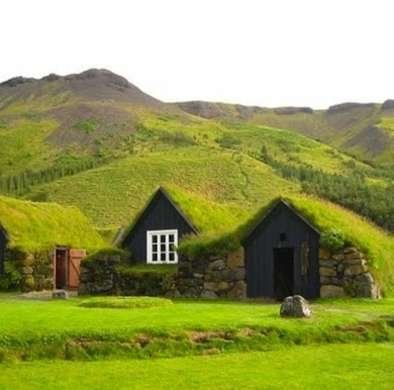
(161, 213)
(3, 244)
(281, 255)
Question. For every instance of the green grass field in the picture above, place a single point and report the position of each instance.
(367, 366)
(193, 344)
(64, 329)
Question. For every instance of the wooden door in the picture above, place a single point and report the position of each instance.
(60, 268)
(75, 257)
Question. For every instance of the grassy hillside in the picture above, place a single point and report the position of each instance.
(36, 226)
(113, 194)
(359, 129)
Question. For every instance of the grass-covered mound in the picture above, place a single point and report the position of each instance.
(125, 302)
(39, 226)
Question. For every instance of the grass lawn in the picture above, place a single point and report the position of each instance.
(32, 329)
(364, 366)
(193, 344)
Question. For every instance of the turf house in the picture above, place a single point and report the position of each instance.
(155, 234)
(42, 244)
(183, 245)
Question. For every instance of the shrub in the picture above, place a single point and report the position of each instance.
(11, 277)
(228, 141)
(333, 239)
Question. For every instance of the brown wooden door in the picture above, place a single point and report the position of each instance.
(75, 258)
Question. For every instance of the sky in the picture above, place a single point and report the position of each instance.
(255, 52)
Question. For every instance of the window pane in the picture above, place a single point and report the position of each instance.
(162, 238)
(163, 247)
(154, 247)
(171, 238)
(154, 238)
(154, 256)
(163, 257)
(171, 256)
(172, 247)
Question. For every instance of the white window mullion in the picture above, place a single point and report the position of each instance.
(154, 241)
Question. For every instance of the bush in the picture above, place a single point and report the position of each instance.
(333, 239)
(11, 277)
(111, 255)
(228, 141)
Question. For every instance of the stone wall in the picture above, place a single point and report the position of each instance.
(110, 273)
(28, 271)
(212, 277)
(346, 273)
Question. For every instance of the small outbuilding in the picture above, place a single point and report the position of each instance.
(37, 241)
(282, 255)
(154, 236)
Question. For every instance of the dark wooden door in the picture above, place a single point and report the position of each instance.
(61, 268)
(283, 272)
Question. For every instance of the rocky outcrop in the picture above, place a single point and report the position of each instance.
(295, 306)
(293, 110)
(346, 273)
(388, 104)
(213, 276)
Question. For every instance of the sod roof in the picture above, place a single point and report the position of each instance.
(37, 226)
(331, 220)
(206, 217)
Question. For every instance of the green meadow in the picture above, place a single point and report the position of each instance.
(139, 343)
(349, 366)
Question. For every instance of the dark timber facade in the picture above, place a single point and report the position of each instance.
(155, 234)
(282, 255)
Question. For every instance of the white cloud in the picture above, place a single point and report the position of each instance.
(263, 52)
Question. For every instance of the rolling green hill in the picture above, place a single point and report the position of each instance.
(96, 141)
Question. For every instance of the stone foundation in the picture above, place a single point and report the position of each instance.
(213, 277)
(346, 273)
(343, 273)
(109, 273)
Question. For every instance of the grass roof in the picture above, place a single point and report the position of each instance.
(331, 220)
(37, 226)
(208, 217)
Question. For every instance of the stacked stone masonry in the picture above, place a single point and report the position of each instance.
(216, 276)
(346, 273)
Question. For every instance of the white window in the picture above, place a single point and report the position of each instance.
(161, 246)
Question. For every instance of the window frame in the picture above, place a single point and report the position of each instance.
(149, 246)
